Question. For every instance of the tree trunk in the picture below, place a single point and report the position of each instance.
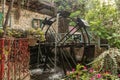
(7, 16)
(63, 25)
(17, 12)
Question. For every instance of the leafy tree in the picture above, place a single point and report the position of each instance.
(103, 17)
(72, 6)
(104, 23)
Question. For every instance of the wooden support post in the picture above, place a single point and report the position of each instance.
(46, 58)
(73, 55)
(62, 60)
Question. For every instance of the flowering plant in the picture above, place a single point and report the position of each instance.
(83, 73)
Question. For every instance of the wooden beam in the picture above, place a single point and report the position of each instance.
(36, 6)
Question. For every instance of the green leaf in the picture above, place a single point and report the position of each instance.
(74, 14)
(72, 23)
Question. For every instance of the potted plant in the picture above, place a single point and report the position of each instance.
(35, 35)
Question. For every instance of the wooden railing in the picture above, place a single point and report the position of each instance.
(14, 59)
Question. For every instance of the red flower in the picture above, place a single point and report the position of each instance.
(98, 76)
(73, 70)
(91, 70)
(85, 68)
(119, 75)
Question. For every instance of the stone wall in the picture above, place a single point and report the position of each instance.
(25, 20)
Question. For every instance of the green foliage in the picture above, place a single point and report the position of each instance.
(83, 73)
(118, 4)
(1, 32)
(107, 61)
(103, 19)
(76, 7)
(19, 33)
(39, 34)
(63, 5)
(114, 40)
(36, 33)
(104, 23)
(72, 23)
(75, 14)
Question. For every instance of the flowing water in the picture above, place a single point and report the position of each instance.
(39, 74)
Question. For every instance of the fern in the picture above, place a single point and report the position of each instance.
(108, 61)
